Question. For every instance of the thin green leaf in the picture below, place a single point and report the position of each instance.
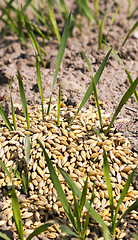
(134, 206)
(60, 56)
(120, 60)
(12, 106)
(23, 99)
(39, 83)
(6, 170)
(83, 196)
(17, 214)
(102, 25)
(4, 236)
(40, 229)
(113, 18)
(87, 12)
(5, 119)
(58, 187)
(124, 99)
(59, 102)
(53, 21)
(108, 182)
(90, 88)
(86, 223)
(96, 11)
(87, 204)
(76, 209)
(131, 30)
(67, 230)
(123, 194)
(132, 14)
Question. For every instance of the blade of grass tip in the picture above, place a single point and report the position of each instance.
(102, 25)
(90, 88)
(23, 99)
(122, 196)
(6, 170)
(113, 18)
(5, 119)
(108, 183)
(128, 10)
(17, 214)
(131, 30)
(4, 236)
(60, 56)
(12, 106)
(58, 187)
(39, 83)
(40, 229)
(87, 204)
(96, 11)
(53, 21)
(59, 102)
(67, 230)
(124, 99)
(134, 206)
(127, 72)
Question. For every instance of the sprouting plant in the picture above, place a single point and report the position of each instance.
(131, 30)
(130, 15)
(114, 212)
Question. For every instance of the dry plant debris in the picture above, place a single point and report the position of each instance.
(78, 151)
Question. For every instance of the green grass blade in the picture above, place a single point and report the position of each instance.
(40, 229)
(33, 39)
(108, 182)
(87, 12)
(124, 99)
(58, 187)
(59, 102)
(132, 14)
(76, 210)
(5, 118)
(60, 56)
(113, 18)
(96, 11)
(17, 214)
(134, 206)
(4, 236)
(123, 194)
(12, 106)
(131, 30)
(67, 230)
(39, 83)
(102, 25)
(127, 72)
(83, 196)
(87, 204)
(90, 88)
(6, 170)
(53, 21)
(23, 99)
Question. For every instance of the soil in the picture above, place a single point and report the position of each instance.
(74, 74)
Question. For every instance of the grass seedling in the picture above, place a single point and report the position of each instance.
(95, 91)
(96, 11)
(90, 88)
(130, 15)
(114, 212)
(102, 25)
(5, 118)
(59, 102)
(53, 21)
(23, 99)
(12, 106)
(77, 193)
(131, 30)
(59, 57)
(39, 83)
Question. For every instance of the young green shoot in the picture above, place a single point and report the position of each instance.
(59, 102)
(12, 106)
(131, 30)
(95, 91)
(59, 57)
(96, 11)
(23, 99)
(5, 118)
(39, 83)
(90, 88)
